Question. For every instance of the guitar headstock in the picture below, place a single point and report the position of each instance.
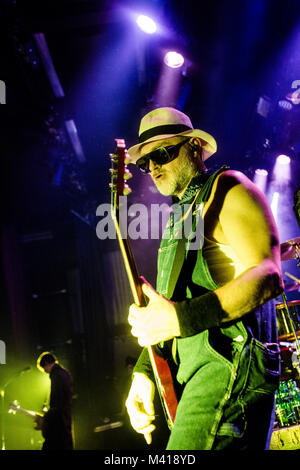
(119, 172)
(14, 407)
(119, 187)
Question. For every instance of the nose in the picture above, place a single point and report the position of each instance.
(152, 165)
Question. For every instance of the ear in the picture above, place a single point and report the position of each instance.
(196, 143)
(196, 147)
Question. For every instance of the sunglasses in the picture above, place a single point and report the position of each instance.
(160, 156)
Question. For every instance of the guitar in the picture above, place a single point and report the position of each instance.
(14, 408)
(161, 370)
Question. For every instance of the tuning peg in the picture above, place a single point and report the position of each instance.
(127, 158)
(127, 174)
(114, 172)
(126, 190)
(113, 157)
(113, 186)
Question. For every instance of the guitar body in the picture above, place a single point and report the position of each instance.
(161, 370)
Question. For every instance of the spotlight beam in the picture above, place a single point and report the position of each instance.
(282, 170)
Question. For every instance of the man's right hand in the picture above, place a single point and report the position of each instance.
(140, 406)
(39, 421)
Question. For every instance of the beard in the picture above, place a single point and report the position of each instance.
(175, 176)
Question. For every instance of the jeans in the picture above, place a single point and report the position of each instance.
(218, 413)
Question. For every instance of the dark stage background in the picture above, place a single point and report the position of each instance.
(62, 288)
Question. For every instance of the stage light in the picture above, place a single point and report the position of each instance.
(43, 49)
(286, 105)
(168, 85)
(283, 160)
(173, 59)
(260, 172)
(282, 170)
(260, 179)
(74, 138)
(264, 106)
(146, 24)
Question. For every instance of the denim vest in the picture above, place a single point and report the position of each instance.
(177, 262)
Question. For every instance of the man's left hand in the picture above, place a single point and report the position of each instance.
(157, 321)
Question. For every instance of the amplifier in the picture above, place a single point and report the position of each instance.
(286, 438)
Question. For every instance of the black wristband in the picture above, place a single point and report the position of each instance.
(143, 364)
(199, 314)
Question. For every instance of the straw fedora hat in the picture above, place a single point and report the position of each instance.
(162, 123)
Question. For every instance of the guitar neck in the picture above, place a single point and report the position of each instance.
(130, 266)
(23, 412)
(161, 371)
(27, 413)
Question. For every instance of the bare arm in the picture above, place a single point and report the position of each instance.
(249, 228)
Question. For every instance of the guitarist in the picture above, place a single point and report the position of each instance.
(212, 306)
(56, 422)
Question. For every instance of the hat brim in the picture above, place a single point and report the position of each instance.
(208, 142)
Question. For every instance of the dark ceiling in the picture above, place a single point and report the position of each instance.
(236, 52)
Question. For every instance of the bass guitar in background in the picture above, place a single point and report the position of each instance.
(36, 417)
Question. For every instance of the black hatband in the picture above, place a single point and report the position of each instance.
(163, 130)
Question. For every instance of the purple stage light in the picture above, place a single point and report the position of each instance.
(260, 172)
(283, 160)
(282, 170)
(260, 179)
(43, 49)
(146, 24)
(173, 59)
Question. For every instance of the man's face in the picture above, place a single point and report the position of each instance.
(47, 368)
(172, 178)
